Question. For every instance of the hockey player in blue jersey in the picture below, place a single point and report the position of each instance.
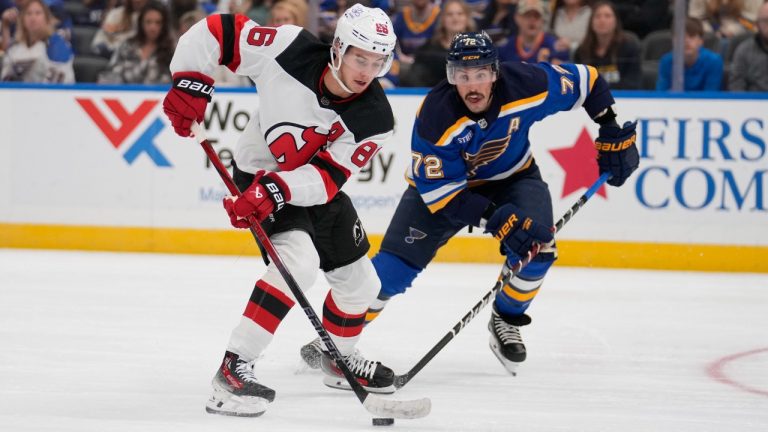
(473, 166)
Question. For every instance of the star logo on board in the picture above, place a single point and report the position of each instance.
(579, 163)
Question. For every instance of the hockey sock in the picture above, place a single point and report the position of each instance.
(265, 310)
(517, 295)
(344, 328)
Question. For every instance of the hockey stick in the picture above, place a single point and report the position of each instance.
(380, 407)
(507, 274)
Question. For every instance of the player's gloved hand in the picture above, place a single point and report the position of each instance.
(266, 195)
(187, 99)
(617, 152)
(516, 231)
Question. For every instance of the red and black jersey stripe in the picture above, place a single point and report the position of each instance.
(267, 306)
(339, 323)
(334, 175)
(226, 28)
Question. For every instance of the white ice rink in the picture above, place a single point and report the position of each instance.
(129, 342)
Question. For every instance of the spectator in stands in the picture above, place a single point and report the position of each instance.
(93, 12)
(9, 14)
(288, 12)
(749, 69)
(120, 24)
(177, 8)
(428, 67)
(38, 54)
(570, 22)
(414, 26)
(644, 16)
(9, 11)
(499, 19)
(256, 10)
(703, 68)
(726, 18)
(330, 11)
(145, 57)
(615, 54)
(531, 44)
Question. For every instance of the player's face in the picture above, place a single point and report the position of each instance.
(359, 68)
(474, 86)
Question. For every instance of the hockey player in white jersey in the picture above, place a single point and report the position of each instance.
(322, 116)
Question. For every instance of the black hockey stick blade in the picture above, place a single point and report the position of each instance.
(506, 274)
(383, 408)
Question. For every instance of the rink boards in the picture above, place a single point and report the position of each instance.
(100, 168)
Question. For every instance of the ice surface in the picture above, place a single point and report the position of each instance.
(129, 342)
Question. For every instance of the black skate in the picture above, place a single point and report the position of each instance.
(311, 353)
(506, 342)
(374, 376)
(236, 390)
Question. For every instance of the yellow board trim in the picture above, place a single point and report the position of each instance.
(660, 256)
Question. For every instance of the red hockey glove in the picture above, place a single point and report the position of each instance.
(516, 231)
(187, 99)
(266, 195)
(617, 152)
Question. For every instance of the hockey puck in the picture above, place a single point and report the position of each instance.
(383, 421)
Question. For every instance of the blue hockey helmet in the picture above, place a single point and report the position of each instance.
(471, 49)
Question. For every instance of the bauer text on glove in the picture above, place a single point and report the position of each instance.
(266, 195)
(617, 152)
(187, 99)
(516, 231)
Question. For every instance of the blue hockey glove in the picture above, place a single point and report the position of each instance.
(516, 231)
(617, 152)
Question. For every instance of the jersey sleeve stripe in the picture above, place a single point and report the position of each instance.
(592, 76)
(454, 130)
(523, 104)
(239, 23)
(226, 29)
(583, 86)
(334, 175)
(216, 27)
(434, 207)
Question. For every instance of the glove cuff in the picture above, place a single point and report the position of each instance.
(278, 190)
(194, 83)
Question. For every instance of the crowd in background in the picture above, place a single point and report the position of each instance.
(628, 41)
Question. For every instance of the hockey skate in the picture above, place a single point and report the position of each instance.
(236, 391)
(506, 341)
(374, 376)
(312, 352)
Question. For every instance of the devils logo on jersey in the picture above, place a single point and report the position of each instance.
(293, 145)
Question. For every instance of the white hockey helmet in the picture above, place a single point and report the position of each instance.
(366, 28)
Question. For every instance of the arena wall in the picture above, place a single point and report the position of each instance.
(99, 168)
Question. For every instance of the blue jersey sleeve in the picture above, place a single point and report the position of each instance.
(438, 170)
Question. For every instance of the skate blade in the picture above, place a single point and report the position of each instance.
(225, 403)
(342, 384)
(510, 366)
